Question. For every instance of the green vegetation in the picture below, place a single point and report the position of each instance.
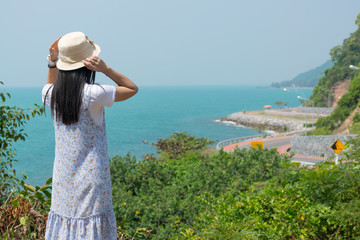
(343, 56)
(19, 202)
(355, 128)
(183, 193)
(12, 120)
(346, 105)
(250, 194)
(307, 79)
(162, 194)
(299, 204)
(280, 103)
(179, 143)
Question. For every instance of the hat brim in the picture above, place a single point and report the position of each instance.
(65, 66)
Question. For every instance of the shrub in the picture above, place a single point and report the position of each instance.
(12, 122)
(320, 131)
(314, 205)
(356, 118)
(179, 143)
(161, 194)
(23, 208)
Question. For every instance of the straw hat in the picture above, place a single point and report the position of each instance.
(73, 48)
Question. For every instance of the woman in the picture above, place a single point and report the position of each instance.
(81, 206)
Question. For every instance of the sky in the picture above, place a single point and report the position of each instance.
(178, 42)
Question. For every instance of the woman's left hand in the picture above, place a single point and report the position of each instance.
(95, 64)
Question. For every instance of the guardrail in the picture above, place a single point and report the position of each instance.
(236, 140)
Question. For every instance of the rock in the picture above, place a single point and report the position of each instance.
(264, 123)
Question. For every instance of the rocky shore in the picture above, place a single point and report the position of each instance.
(263, 122)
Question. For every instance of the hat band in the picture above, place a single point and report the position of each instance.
(67, 59)
(78, 57)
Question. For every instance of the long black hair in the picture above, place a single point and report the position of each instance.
(67, 93)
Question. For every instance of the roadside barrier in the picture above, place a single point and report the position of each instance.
(221, 144)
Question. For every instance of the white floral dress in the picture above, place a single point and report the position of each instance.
(81, 206)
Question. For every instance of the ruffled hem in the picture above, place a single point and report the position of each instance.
(97, 227)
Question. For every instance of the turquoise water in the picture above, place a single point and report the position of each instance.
(155, 112)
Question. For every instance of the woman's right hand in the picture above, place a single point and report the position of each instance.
(54, 50)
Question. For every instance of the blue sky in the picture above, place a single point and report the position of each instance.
(179, 42)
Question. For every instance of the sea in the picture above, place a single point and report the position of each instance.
(155, 112)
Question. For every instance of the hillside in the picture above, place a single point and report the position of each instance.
(343, 56)
(340, 87)
(306, 79)
(350, 124)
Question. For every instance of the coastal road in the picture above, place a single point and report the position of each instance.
(268, 143)
(282, 144)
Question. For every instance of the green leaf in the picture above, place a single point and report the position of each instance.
(24, 220)
(48, 194)
(43, 187)
(40, 196)
(15, 203)
(29, 187)
(49, 181)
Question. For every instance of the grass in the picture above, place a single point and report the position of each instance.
(209, 151)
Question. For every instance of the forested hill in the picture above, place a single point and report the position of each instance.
(306, 79)
(343, 56)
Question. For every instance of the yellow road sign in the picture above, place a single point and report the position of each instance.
(255, 144)
(337, 146)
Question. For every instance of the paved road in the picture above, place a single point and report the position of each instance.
(268, 143)
(282, 144)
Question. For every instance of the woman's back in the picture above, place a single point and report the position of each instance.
(81, 206)
(81, 179)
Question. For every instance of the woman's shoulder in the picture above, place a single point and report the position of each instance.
(46, 93)
(46, 87)
(98, 88)
(100, 93)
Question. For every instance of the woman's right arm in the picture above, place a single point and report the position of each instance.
(126, 88)
(53, 54)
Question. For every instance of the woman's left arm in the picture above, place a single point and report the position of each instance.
(54, 53)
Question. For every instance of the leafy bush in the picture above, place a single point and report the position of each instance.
(248, 194)
(352, 147)
(160, 194)
(179, 143)
(12, 121)
(355, 128)
(23, 208)
(313, 205)
(320, 131)
(356, 118)
(24, 213)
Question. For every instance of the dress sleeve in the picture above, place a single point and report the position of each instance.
(46, 92)
(103, 95)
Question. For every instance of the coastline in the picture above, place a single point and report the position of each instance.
(278, 121)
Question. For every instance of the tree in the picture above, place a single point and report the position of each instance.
(279, 103)
(335, 52)
(12, 122)
(357, 21)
